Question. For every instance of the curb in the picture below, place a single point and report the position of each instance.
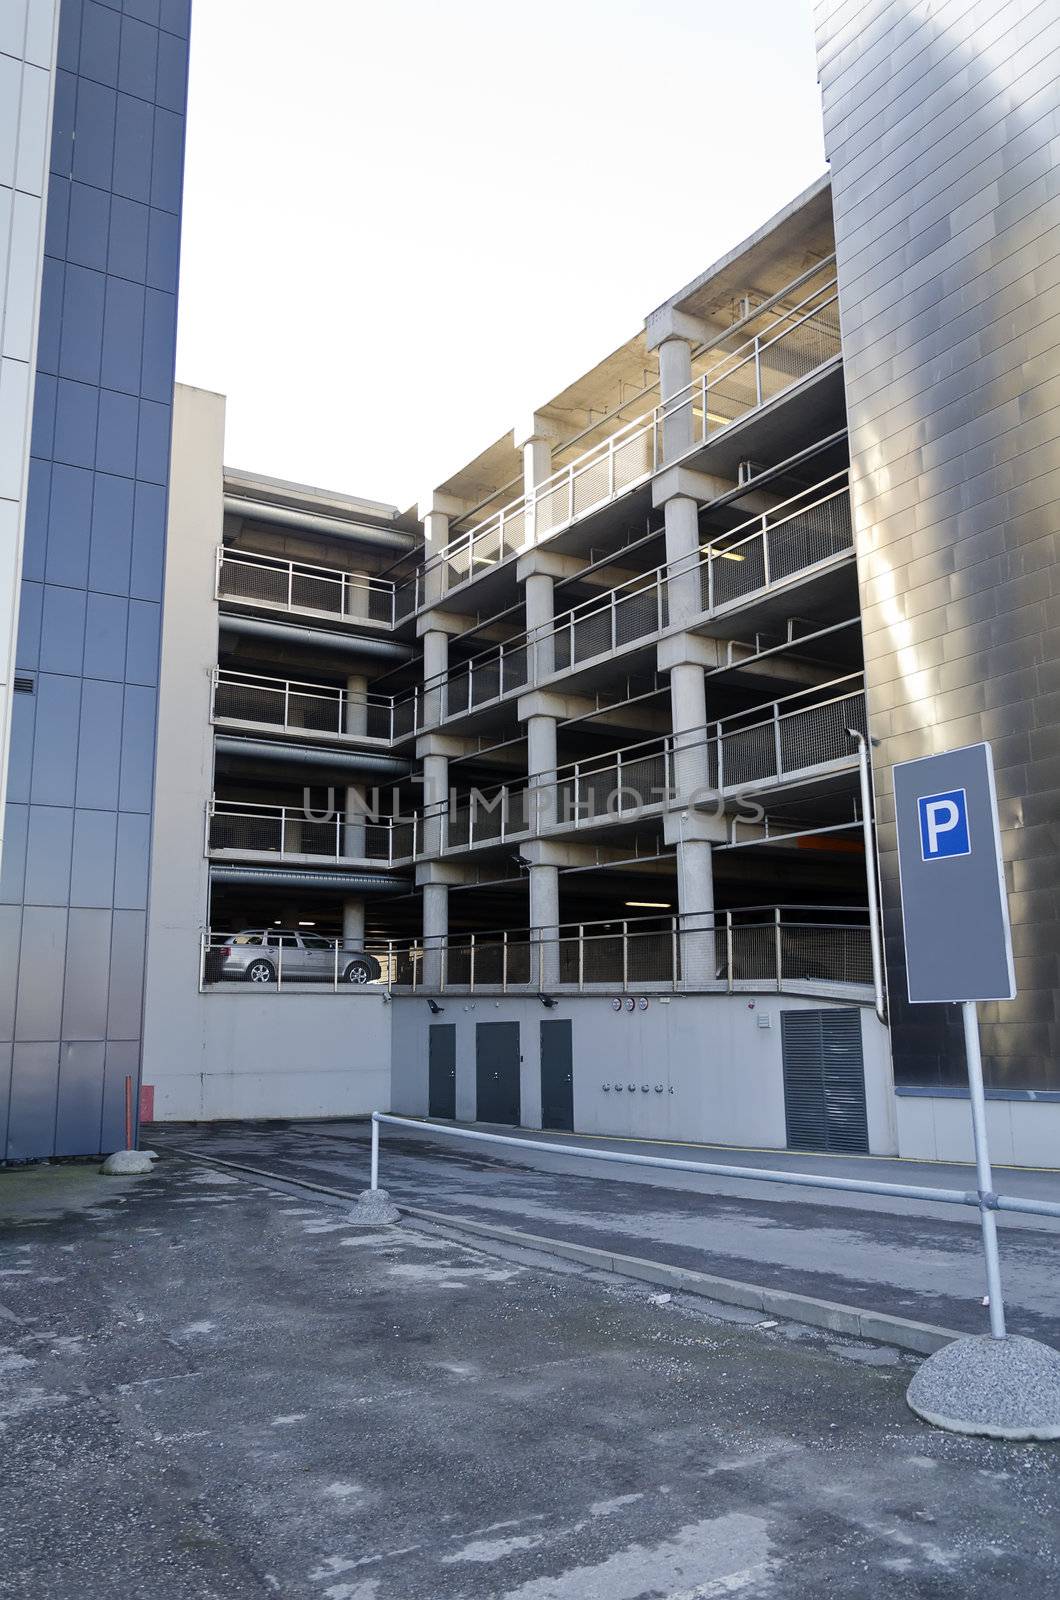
(923, 1338)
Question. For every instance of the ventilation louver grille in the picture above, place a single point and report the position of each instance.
(24, 685)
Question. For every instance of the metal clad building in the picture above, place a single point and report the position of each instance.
(941, 125)
(73, 903)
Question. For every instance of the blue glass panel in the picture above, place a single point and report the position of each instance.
(89, 225)
(152, 454)
(145, 624)
(62, 634)
(126, 975)
(167, 165)
(64, 117)
(99, 43)
(38, 1003)
(76, 405)
(160, 340)
(69, 35)
(94, 133)
(92, 870)
(56, 215)
(123, 336)
(10, 935)
(118, 422)
(163, 252)
(149, 541)
(105, 630)
(20, 748)
(34, 1084)
(112, 521)
(69, 525)
(55, 751)
(53, 277)
(137, 749)
(13, 859)
(172, 72)
(139, 52)
(79, 1111)
(85, 990)
(128, 239)
(27, 651)
(82, 335)
(146, 10)
(48, 856)
(132, 148)
(133, 863)
(42, 436)
(100, 734)
(37, 503)
(176, 16)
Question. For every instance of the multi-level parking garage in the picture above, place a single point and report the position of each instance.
(577, 734)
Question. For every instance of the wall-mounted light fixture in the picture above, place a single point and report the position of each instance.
(548, 1001)
(436, 1009)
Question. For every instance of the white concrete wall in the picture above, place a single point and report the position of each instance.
(28, 38)
(1022, 1133)
(254, 1054)
(724, 1069)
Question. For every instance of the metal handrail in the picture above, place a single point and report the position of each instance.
(291, 571)
(284, 690)
(285, 830)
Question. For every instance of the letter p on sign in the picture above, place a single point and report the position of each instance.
(943, 825)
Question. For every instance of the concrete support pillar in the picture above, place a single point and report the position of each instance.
(544, 920)
(695, 901)
(688, 710)
(352, 924)
(675, 376)
(684, 583)
(435, 802)
(535, 438)
(355, 833)
(541, 769)
(356, 722)
(540, 597)
(435, 933)
(435, 512)
(435, 671)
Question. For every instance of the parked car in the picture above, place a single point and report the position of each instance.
(261, 955)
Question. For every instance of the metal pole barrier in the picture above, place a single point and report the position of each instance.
(870, 868)
(984, 1177)
(375, 1153)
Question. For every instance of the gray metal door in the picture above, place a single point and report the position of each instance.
(497, 1072)
(557, 1075)
(441, 1070)
(824, 1080)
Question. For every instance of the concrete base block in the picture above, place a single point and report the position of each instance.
(125, 1163)
(1004, 1388)
(373, 1207)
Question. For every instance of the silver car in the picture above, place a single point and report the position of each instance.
(262, 955)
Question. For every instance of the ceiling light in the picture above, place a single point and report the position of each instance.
(650, 905)
(307, 924)
(727, 555)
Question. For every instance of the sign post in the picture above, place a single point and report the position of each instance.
(955, 919)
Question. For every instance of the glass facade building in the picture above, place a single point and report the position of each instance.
(73, 899)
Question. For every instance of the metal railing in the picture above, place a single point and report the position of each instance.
(797, 342)
(244, 828)
(783, 948)
(295, 707)
(299, 586)
(806, 531)
(488, 817)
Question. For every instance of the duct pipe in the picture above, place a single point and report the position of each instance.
(293, 755)
(344, 882)
(315, 522)
(314, 638)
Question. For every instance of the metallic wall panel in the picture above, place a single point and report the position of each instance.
(83, 743)
(940, 126)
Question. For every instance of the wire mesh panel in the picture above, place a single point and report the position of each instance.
(458, 832)
(404, 717)
(799, 350)
(602, 958)
(514, 669)
(378, 714)
(650, 957)
(457, 565)
(634, 457)
(249, 702)
(754, 953)
(825, 954)
(406, 599)
(748, 753)
(729, 393)
(593, 634)
(403, 838)
(819, 733)
(315, 591)
(551, 507)
(738, 571)
(591, 483)
(563, 642)
(303, 837)
(637, 612)
(235, 829)
(488, 816)
(380, 603)
(323, 713)
(809, 536)
(641, 781)
(254, 580)
(513, 531)
(485, 680)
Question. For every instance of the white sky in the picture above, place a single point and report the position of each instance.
(407, 222)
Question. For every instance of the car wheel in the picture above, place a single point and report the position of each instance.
(358, 972)
(261, 972)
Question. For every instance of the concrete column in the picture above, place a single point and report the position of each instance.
(540, 597)
(356, 704)
(435, 932)
(541, 769)
(684, 585)
(544, 920)
(688, 710)
(535, 438)
(354, 833)
(435, 801)
(352, 925)
(695, 901)
(675, 375)
(435, 672)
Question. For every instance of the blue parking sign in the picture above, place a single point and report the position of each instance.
(943, 825)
